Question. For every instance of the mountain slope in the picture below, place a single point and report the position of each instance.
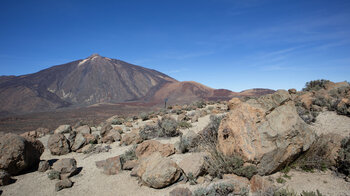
(84, 82)
(98, 80)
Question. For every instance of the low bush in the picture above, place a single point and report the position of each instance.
(315, 157)
(246, 171)
(219, 189)
(168, 128)
(343, 161)
(315, 85)
(311, 193)
(129, 155)
(210, 133)
(149, 132)
(184, 125)
(144, 116)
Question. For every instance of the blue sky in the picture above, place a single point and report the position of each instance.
(232, 44)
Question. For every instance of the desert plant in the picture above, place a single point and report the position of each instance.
(284, 192)
(149, 132)
(53, 174)
(144, 116)
(219, 189)
(168, 128)
(311, 193)
(315, 85)
(184, 124)
(246, 171)
(314, 158)
(129, 155)
(191, 179)
(343, 161)
(200, 104)
(280, 180)
(210, 132)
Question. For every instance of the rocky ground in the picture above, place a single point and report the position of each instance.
(260, 147)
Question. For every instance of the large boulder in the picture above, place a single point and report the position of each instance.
(157, 171)
(58, 144)
(63, 129)
(66, 167)
(112, 136)
(105, 129)
(79, 142)
(193, 165)
(110, 166)
(148, 147)
(83, 129)
(132, 137)
(18, 153)
(267, 132)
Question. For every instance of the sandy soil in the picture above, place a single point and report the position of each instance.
(91, 180)
(326, 182)
(330, 122)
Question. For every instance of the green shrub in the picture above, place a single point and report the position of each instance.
(284, 192)
(129, 155)
(149, 132)
(117, 121)
(315, 85)
(311, 193)
(210, 132)
(144, 116)
(219, 189)
(200, 104)
(315, 157)
(218, 164)
(53, 174)
(343, 161)
(246, 171)
(189, 143)
(168, 128)
(184, 125)
(280, 180)
(191, 179)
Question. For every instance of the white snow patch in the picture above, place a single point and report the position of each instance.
(82, 62)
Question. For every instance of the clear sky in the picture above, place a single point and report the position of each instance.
(232, 44)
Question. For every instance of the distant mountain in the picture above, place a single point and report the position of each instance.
(95, 80)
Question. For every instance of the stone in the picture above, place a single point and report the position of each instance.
(33, 134)
(148, 147)
(130, 164)
(58, 144)
(83, 129)
(182, 117)
(193, 164)
(112, 136)
(105, 129)
(259, 185)
(110, 166)
(63, 184)
(194, 118)
(18, 153)
(292, 91)
(267, 132)
(156, 171)
(91, 138)
(179, 191)
(87, 149)
(67, 167)
(78, 142)
(131, 138)
(63, 129)
(5, 178)
(43, 166)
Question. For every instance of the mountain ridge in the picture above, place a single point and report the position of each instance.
(95, 80)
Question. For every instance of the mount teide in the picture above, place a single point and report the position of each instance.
(95, 80)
